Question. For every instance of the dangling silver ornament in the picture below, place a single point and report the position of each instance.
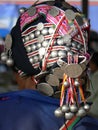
(9, 62)
(81, 112)
(87, 107)
(66, 84)
(65, 108)
(69, 115)
(4, 56)
(58, 112)
(73, 108)
(76, 83)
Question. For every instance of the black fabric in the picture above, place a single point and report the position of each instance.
(19, 55)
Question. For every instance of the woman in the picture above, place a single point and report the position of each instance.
(47, 49)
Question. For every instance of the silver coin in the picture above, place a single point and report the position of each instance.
(32, 11)
(52, 80)
(37, 33)
(70, 14)
(73, 74)
(40, 38)
(31, 35)
(8, 42)
(58, 72)
(54, 11)
(44, 31)
(40, 26)
(45, 89)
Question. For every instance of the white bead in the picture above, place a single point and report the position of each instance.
(31, 35)
(42, 51)
(61, 54)
(33, 47)
(44, 31)
(53, 54)
(37, 33)
(31, 60)
(45, 43)
(59, 41)
(51, 30)
(28, 49)
(35, 59)
(27, 38)
(9, 62)
(38, 45)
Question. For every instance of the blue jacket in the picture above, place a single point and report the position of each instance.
(30, 110)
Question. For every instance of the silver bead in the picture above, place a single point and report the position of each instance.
(31, 35)
(51, 30)
(58, 112)
(60, 41)
(38, 45)
(87, 107)
(31, 60)
(35, 59)
(44, 31)
(81, 112)
(65, 108)
(73, 108)
(69, 115)
(4, 56)
(27, 38)
(45, 43)
(37, 33)
(40, 26)
(33, 47)
(53, 54)
(40, 38)
(9, 62)
(61, 54)
(28, 49)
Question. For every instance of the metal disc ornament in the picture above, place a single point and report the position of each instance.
(70, 14)
(73, 70)
(45, 89)
(31, 11)
(52, 80)
(54, 12)
(58, 72)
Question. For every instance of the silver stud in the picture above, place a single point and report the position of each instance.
(40, 26)
(31, 35)
(65, 108)
(44, 31)
(53, 54)
(69, 115)
(28, 49)
(45, 43)
(33, 47)
(51, 30)
(60, 41)
(27, 38)
(40, 38)
(37, 33)
(58, 112)
(61, 54)
(31, 60)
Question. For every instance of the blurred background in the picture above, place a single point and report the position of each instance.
(9, 12)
